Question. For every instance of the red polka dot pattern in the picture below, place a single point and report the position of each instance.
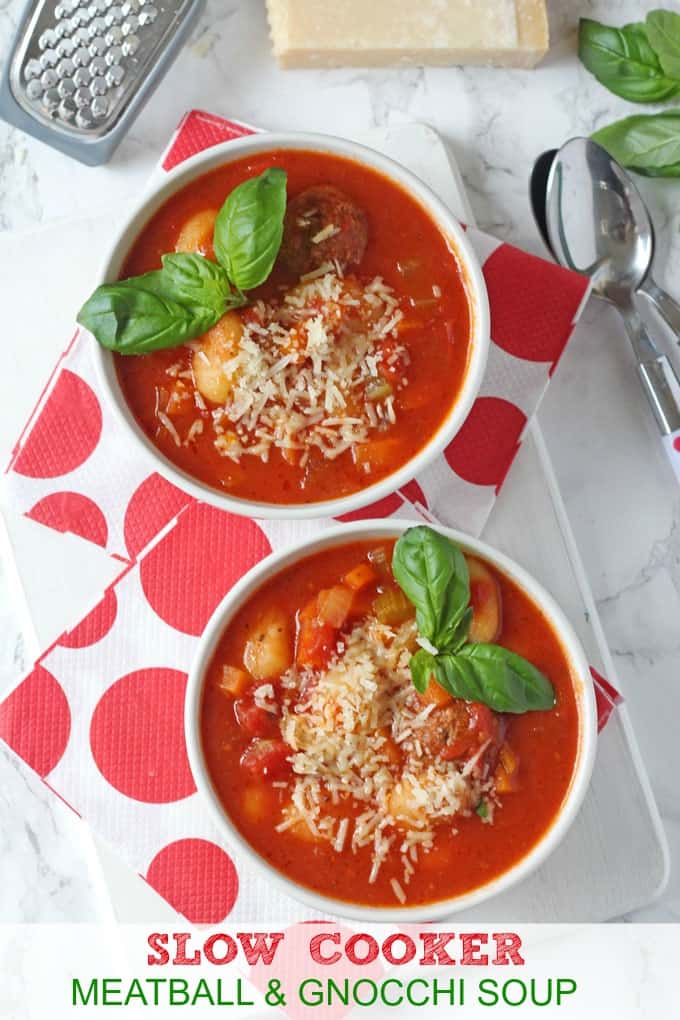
(382, 508)
(676, 443)
(66, 432)
(94, 626)
(186, 575)
(414, 493)
(137, 736)
(517, 284)
(201, 131)
(152, 505)
(197, 878)
(485, 447)
(35, 721)
(606, 699)
(71, 511)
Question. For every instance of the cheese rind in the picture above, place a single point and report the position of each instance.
(379, 33)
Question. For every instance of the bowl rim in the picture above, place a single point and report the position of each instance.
(583, 688)
(230, 151)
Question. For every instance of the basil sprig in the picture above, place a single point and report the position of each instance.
(432, 572)
(639, 62)
(249, 228)
(623, 60)
(190, 293)
(648, 144)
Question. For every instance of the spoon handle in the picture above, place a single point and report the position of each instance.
(659, 381)
(667, 306)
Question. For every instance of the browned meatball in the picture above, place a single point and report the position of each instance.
(445, 731)
(322, 224)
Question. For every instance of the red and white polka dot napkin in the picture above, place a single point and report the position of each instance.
(100, 715)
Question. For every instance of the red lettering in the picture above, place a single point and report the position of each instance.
(508, 947)
(260, 946)
(472, 954)
(157, 941)
(434, 949)
(409, 949)
(230, 949)
(181, 959)
(315, 947)
(372, 949)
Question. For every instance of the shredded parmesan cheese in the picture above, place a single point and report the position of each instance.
(341, 723)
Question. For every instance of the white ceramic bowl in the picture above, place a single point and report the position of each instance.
(583, 688)
(235, 150)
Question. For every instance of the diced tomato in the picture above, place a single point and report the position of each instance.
(483, 722)
(315, 640)
(253, 720)
(267, 759)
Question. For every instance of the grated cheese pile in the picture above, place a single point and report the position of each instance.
(306, 376)
(343, 730)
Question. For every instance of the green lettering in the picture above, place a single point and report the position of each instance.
(565, 986)
(316, 992)
(111, 992)
(77, 991)
(488, 992)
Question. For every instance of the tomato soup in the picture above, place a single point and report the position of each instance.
(328, 379)
(345, 778)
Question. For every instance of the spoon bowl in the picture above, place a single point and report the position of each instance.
(596, 220)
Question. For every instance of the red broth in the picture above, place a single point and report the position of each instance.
(405, 248)
(546, 743)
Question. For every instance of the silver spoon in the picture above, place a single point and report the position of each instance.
(538, 189)
(592, 215)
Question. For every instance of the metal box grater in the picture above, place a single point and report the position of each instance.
(79, 71)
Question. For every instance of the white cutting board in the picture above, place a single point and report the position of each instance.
(615, 858)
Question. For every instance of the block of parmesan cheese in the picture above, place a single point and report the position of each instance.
(380, 33)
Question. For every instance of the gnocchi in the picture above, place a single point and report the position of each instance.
(485, 597)
(196, 235)
(269, 652)
(217, 346)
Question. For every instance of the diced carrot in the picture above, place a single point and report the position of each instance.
(291, 456)
(389, 748)
(434, 694)
(506, 775)
(234, 681)
(334, 605)
(360, 577)
(376, 455)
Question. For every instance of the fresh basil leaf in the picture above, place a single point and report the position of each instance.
(432, 572)
(495, 676)
(646, 143)
(135, 317)
(249, 228)
(482, 809)
(422, 667)
(195, 280)
(663, 32)
(624, 62)
(460, 633)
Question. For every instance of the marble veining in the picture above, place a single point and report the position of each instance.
(622, 501)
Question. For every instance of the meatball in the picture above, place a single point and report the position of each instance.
(446, 731)
(322, 224)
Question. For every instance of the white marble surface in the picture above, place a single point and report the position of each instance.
(622, 500)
